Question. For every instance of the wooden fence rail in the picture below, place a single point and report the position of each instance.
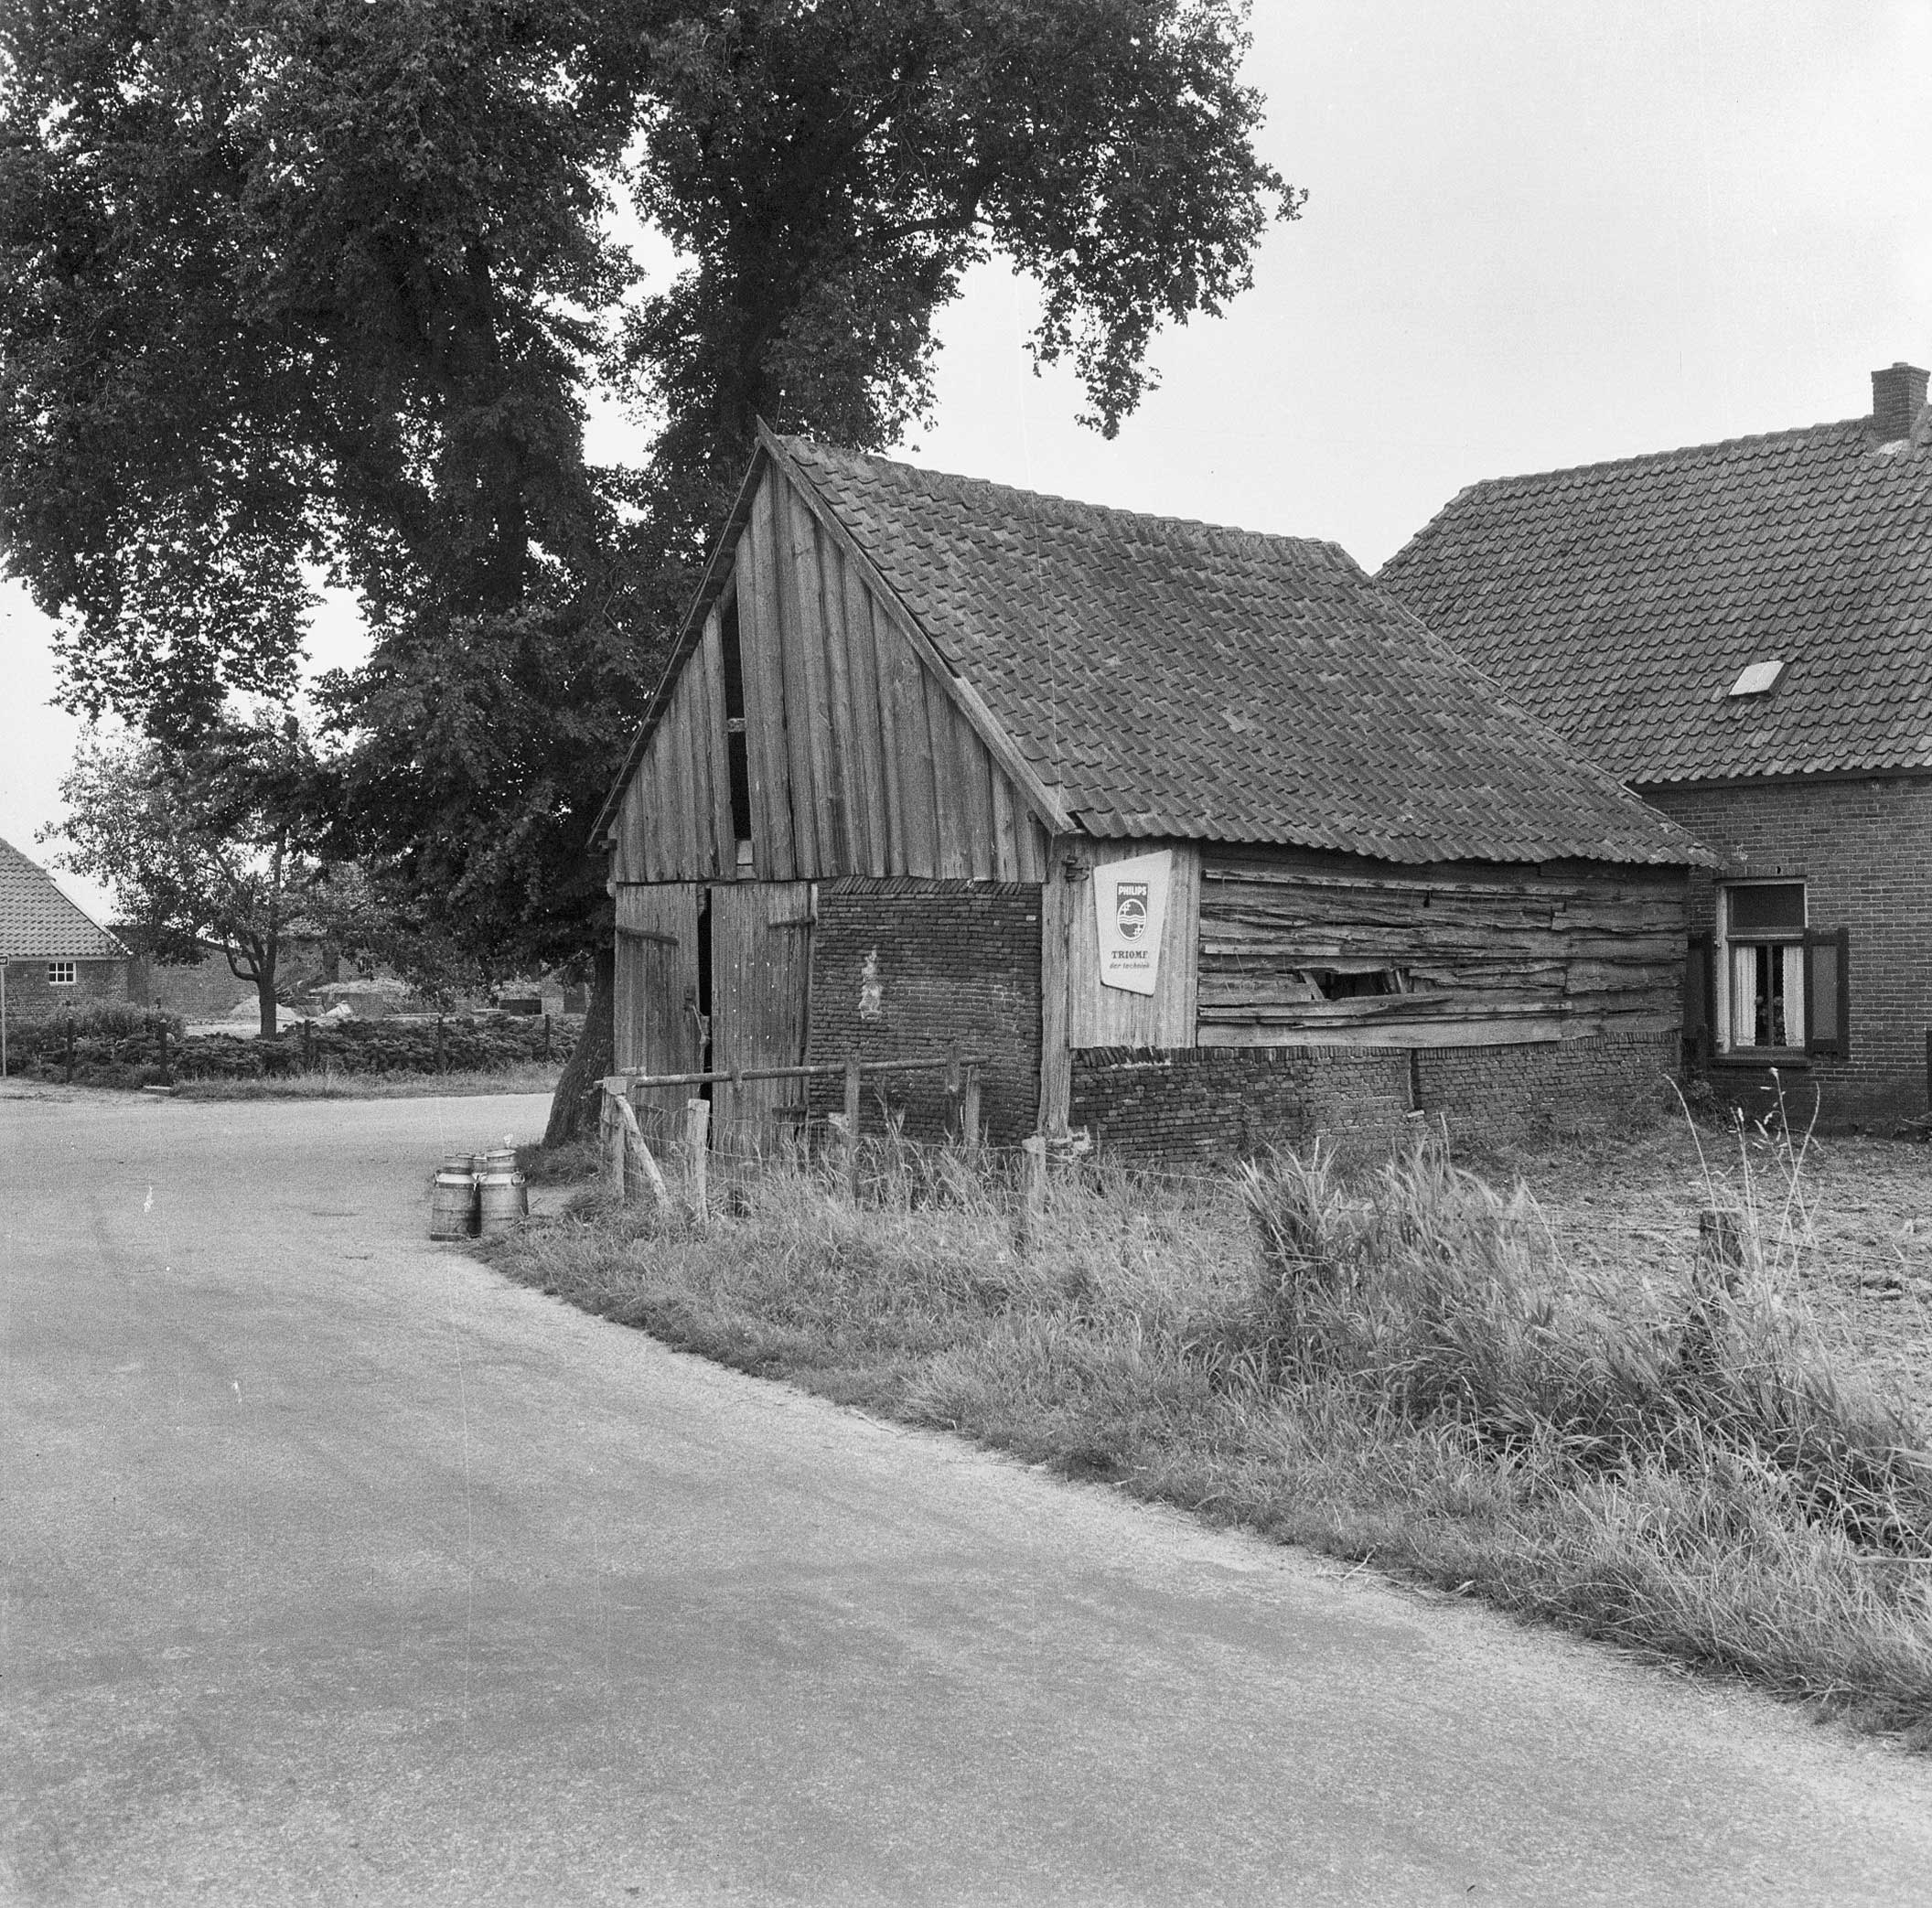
(624, 1141)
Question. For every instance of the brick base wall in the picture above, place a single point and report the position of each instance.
(1552, 1086)
(1224, 1102)
(1862, 849)
(1221, 1102)
(900, 968)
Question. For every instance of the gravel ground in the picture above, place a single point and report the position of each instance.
(1849, 1234)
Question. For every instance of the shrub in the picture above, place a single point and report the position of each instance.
(1447, 1305)
(116, 1045)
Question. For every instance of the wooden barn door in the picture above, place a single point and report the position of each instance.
(656, 1028)
(760, 975)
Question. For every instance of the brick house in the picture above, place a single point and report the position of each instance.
(207, 988)
(1742, 632)
(55, 952)
(1196, 836)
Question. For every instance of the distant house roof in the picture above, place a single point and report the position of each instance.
(1167, 677)
(39, 922)
(1624, 602)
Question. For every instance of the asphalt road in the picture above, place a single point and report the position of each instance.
(336, 1569)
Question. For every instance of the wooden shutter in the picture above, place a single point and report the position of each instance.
(1827, 993)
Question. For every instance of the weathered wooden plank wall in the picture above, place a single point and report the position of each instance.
(761, 977)
(1105, 1016)
(675, 820)
(655, 1005)
(1492, 958)
(860, 760)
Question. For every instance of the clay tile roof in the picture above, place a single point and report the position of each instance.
(1620, 602)
(38, 922)
(1178, 679)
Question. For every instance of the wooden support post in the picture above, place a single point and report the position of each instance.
(1034, 1210)
(852, 1132)
(439, 1045)
(610, 1130)
(1058, 897)
(969, 1110)
(638, 1152)
(70, 1047)
(697, 1155)
(1720, 1249)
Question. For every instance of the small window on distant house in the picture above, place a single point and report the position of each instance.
(60, 973)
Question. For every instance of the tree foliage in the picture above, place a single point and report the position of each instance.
(218, 842)
(301, 289)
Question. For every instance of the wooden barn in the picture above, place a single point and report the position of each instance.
(1194, 837)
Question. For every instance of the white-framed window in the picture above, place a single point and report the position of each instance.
(1780, 983)
(61, 973)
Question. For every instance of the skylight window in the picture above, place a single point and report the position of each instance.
(1757, 679)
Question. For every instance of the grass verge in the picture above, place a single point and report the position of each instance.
(1396, 1366)
(539, 1077)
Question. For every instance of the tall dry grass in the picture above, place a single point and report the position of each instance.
(1395, 1365)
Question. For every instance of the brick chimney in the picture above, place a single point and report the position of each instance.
(1898, 395)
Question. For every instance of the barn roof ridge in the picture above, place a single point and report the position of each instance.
(1164, 677)
(1050, 502)
(1291, 632)
(37, 921)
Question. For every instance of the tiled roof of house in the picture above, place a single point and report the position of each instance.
(1620, 602)
(1170, 678)
(38, 922)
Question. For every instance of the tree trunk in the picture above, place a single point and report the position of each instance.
(573, 1112)
(265, 997)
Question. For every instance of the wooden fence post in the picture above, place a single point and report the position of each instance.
(697, 1149)
(70, 1047)
(610, 1130)
(852, 1132)
(638, 1151)
(969, 1110)
(1720, 1249)
(1034, 1168)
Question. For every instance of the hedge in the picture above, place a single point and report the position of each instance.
(119, 1046)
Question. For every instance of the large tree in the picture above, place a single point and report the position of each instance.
(213, 841)
(291, 287)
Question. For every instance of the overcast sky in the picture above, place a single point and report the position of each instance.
(1537, 235)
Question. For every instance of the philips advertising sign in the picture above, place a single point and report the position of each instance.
(1130, 901)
